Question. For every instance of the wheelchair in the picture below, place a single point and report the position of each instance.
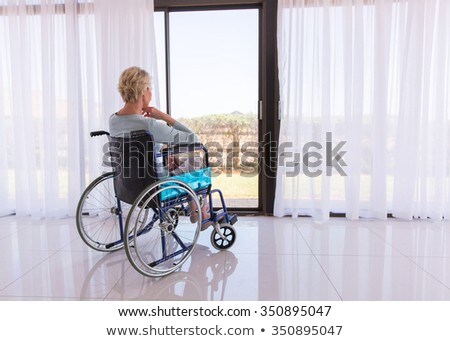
(149, 207)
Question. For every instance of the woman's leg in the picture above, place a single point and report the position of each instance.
(193, 214)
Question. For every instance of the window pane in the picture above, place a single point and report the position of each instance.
(214, 91)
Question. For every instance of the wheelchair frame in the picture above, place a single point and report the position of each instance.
(158, 234)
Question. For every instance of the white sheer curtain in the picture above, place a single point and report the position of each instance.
(376, 74)
(59, 66)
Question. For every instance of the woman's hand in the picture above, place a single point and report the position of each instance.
(158, 115)
(153, 113)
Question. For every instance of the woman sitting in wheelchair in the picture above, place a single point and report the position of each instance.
(135, 89)
(154, 210)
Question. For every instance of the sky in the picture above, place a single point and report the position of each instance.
(214, 61)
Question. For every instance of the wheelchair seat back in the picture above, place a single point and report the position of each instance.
(133, 161)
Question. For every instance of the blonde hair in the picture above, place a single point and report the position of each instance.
(132, 83)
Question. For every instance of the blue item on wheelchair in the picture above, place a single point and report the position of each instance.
(197, 180)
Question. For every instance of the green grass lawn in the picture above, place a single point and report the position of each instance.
(235, 185)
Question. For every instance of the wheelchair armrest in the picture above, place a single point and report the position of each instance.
(185, 147)
(182, 147)
(98, 133)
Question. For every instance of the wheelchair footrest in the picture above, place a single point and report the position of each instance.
(232, 218)
(218, 214)
(221, 216)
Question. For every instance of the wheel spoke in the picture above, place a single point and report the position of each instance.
(226, 240)
(164, 248)
(97, 221)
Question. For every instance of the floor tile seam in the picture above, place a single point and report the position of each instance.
(49, 298)
(19, 229)
(405, 257)
(303, 237)
(271, 254)
(328, 277)
(398, 250)
(436, 257)
(27, 272)
(315, 253)
(295, 222)
(75, 238)
(384, 240)
(118, 280)
(359, 255)
(61, 247)
(8, 235)
(145, 300)
(318, 262)
(53, 250)
(366, 223)
(366, 227)
(427, 272)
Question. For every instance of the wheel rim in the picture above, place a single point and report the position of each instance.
(98, 215)
(167, 240)
(228, 232)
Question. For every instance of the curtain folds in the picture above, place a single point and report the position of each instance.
(371, 76)
(59, 66)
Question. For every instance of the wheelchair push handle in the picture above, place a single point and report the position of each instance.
(98, 133)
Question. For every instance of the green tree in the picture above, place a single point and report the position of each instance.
(233, 125)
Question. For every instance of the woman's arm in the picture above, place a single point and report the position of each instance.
(158, 115)
(175, 132)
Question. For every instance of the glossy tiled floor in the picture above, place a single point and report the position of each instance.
(273, 259)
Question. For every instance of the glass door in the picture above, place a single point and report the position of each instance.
(214, 89)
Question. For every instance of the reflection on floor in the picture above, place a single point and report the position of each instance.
(272, 259)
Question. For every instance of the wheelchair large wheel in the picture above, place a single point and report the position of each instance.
(169, 236)
(98, 215)
(224, 238)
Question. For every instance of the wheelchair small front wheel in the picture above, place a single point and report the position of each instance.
(226, 240)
